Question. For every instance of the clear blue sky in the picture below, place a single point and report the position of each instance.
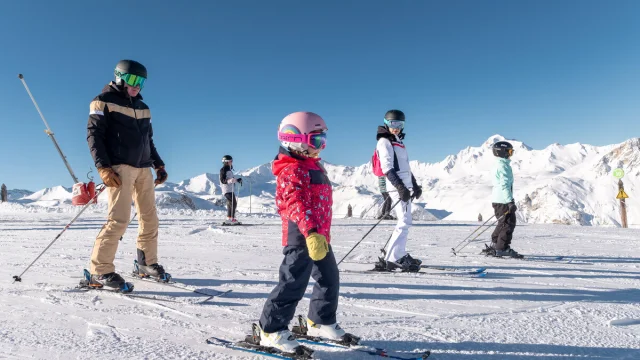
(222, 74)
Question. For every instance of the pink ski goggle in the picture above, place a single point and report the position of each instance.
(315, 140)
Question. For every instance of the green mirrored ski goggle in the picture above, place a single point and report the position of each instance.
(133, 80)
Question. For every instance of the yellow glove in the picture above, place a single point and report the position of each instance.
(317, 246)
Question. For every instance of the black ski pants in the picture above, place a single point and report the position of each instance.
(501, 237)
(232, 204)
(295, 271)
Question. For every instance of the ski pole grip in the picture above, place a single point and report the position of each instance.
(20, 76)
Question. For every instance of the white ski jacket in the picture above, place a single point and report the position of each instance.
(399, 162)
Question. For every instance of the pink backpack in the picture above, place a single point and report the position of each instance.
(375, 164)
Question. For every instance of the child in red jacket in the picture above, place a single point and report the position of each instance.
(303, 199)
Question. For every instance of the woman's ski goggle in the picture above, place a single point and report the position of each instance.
(394, 124)
(133, 80)
(315, 140)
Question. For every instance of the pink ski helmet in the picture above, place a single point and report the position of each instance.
(301, 130)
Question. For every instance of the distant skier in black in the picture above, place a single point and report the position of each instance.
(227, 184)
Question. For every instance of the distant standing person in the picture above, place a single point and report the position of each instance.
(227, 184)
(120, 138)
(503, 203)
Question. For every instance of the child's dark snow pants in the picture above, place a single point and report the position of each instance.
(295, 271)
(501, 237)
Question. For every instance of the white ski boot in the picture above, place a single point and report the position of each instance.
(282, 340)
(329, 332)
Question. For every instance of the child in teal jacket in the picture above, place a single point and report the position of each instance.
(503, 204)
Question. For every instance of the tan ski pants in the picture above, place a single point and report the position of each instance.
(137, 184)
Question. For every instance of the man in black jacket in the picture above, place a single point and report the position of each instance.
(120, 138)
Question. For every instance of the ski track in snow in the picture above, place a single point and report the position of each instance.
(585, 309)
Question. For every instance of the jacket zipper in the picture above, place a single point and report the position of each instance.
(135, 115)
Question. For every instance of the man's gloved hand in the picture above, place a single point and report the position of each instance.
(161, 175)
(109, 177)
(317, 246)
(404, 193)
(417, 192)
(512, 207)
(240, 181)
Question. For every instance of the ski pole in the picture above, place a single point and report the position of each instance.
(48, 130)
(365, 235)
(19, 277)
(372, 206)
(485, 229)
(384, 252)
(478, 228)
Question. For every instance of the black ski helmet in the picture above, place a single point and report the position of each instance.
(130, 67)
(502, 149)
(227, 158)
(394, 115)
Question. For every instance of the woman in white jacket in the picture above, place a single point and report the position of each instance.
(394, 162)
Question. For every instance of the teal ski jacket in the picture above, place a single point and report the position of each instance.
(502, 182)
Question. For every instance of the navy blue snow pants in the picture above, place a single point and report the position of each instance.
(295, 271)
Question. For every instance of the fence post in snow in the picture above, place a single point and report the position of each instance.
(623, 206)
(3, 193)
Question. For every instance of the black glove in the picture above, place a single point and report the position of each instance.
(417, 192)
(417, 189)
(394, 179)
(512, 207)
(161, 175)
(240, 181)
(404, 193)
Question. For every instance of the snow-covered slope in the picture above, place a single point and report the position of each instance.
(567, 184)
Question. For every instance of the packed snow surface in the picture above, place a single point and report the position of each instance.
(585, 306)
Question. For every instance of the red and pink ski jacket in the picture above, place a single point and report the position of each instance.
(303, 197)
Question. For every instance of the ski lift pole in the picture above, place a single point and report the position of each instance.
(48, 131)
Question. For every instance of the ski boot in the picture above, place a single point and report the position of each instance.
(154, 271)
(282, 341)
(111, 281)
(488, 250)
(231, 222)
(331, 332)
(508, 252)
(307, 329)
(413, 260)
(380, 265)
(405, 264)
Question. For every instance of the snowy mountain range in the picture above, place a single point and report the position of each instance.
(566, 184)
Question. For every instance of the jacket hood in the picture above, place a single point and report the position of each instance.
(286, 158)
(112, 87)
(383, 132)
